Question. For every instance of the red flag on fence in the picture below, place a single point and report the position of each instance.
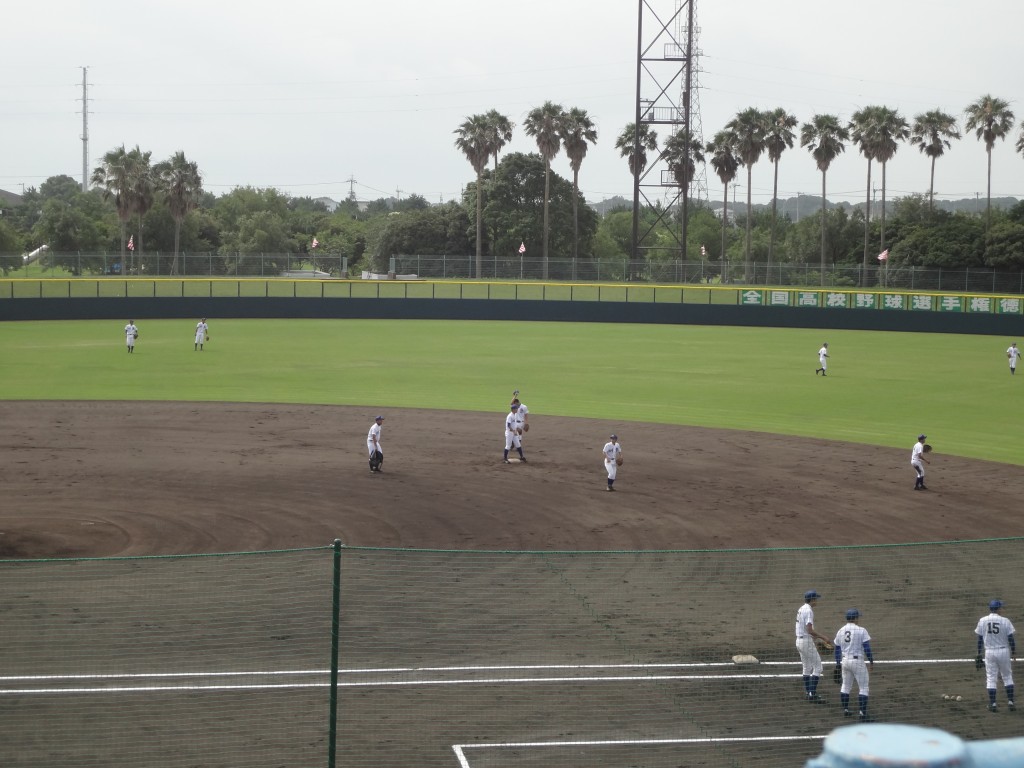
(883, 255)
(131, 242)
(522, 247)
(315, 242)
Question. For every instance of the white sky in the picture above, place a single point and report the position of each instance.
(304, 95)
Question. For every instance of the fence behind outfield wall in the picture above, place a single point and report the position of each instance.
(478, 658)
(460, 267)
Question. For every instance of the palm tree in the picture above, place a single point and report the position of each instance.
(990, 119)
(1020, 141)
(931, 133)
(777, 140)
(626, 144)
(577, 130)
(113, 178)
(682, 152)
(825, 139)
(863, 134)
(500, 130)
(143, 187)
(890, 128)
(726, 162)
(544, 124)
(750, 127)
(182, 186)
(473, 137)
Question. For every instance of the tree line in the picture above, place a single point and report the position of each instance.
(518, 201)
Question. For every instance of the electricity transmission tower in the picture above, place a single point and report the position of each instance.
(665, 98)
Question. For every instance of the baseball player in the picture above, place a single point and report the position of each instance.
(809, 656)
(202, 334)
(995, 636)
(131, 333)
(822, 358)
(523, 414)
(1014, 355)
(853, 657)
(612, 454)
(512, 433)
(917, 461)
(373, 447)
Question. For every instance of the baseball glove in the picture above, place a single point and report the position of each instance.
(526, 427)
(825, 646)
(519, 431)
(979, 662)
(207, 337)
(837, 675)
(927, 448)
(618, 461)
(136, 334)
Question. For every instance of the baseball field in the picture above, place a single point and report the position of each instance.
(731, 443)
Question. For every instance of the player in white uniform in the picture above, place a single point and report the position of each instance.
(917, 461)
(809, 656)
(612, 451)
(853, 654)
(131, 332)
(1014, 355)
(995, 636)
(201, 330)
(373, 447)
(523, 414)
(512, 434)
(822, 360)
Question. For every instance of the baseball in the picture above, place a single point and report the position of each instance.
(945, 696)
(959, 698)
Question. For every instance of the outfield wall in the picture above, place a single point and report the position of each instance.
(92, 299)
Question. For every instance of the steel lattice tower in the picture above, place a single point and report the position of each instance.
(665, 67)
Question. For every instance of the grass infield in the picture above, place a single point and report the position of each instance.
(883, 388)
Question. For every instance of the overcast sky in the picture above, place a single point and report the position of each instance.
(317, 98)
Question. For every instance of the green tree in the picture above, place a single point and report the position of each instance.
(750, 127)
(115, 177)
(825, 138)
(499, 132)
(181, 184)
(473, 139)
(778, 138)
(681, 153)
(726, 162)
(143, 192)
(864, 133)
(544, 125)
(891, 129)
(69, 226)
(990, 119)
(636, 154)
(931, 133)
(578, 133)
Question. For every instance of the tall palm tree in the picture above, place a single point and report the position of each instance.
(626, 144)
(473, 137)
(1020, 141)
(825, 139)
(890, 128)
(726, 162)
(182, 187)
(778, 138)
(114, 177)
(500, 130)
(750, 127)
(578, 132)
(931, 133)
(544, 124)
(143, 187)
(682, 152)
(990, 119)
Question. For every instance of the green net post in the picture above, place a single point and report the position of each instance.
(335, 619)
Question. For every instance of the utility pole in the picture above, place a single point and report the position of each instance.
(351, 187)
(85, 130)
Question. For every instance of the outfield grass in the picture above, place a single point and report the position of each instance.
(882, 389)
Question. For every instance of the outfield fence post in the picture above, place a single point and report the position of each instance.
(335, 629)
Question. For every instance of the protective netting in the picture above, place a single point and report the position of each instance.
(482, 659)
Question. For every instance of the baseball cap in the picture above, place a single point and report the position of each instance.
(922, 437)
(379, 418)
(811, 595)
(515, 406)
(852, 614)
(995, 605)
(614, 437)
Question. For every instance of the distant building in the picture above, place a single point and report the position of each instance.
(328, 203)
(8, 199)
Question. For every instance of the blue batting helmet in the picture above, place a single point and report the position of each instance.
(811, 595)
(995, 605)
(852, 614)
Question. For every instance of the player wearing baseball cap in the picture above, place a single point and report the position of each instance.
(995, 638)
(809, 656)
(917, 461)
(853, 654)
(373, 445)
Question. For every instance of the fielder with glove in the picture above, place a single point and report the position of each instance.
(612, 453)
(202, 334)
(996, 641)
